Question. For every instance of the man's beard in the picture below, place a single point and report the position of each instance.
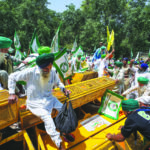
(2, 57)
(44, 78)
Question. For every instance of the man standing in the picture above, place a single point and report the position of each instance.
(118, 76)
(40, 101)
(142, 89)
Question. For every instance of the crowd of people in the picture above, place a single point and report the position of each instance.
(132, 81)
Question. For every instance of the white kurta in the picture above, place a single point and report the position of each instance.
(118, 74)
(101, 66)
(39, 101)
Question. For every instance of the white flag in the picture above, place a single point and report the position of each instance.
(35, 44)
(74, 46)
(137, 56)
(18, 54)
(16, 41)
(55, 42)
(78, 51)
(61, 64)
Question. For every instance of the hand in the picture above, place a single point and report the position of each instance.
(109, 136)
(25, 62)
(12, 99)
(120, 128)
(123, 95)
(67, 92)
(113, 50)
(117, 81)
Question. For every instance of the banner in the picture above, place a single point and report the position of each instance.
(61, 64)
(34, 44)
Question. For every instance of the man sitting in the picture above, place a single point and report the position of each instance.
(40, 101)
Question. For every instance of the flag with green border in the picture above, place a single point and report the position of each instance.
(34, 44)
(55, 41)
(74, 46)
(16, 41)
(77, 51)
(131, 53)
(137, 56)
(61, 64)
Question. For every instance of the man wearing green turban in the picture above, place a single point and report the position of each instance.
(138, 119)
(40, 81)
(127, 72)
(142, 89)
(76, 62)
(118, 76)
(84, 63)
(6, 64)
(102, 63)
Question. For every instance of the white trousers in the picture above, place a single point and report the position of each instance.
(45, 115)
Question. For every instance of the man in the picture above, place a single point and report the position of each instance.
(103, 63)
(142, 89)
(127, 73)
(137, 120)
(6, 61)
(76, 62)
(141, 71)
(100, 51)
(118, 76)
(6, 66)
(40, 101)
(84, 63)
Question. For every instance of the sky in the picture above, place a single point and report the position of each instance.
(60, 5)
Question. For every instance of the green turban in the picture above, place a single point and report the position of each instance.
(44, 60)
(118, 64)
(137, 62)
(44, 50)
(130, 105)
(143, 80)
(103, 47)
(82, 58)
(128, 62)
(103, 56)
(5, 42)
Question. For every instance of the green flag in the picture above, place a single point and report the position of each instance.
(79, 50)
(61, 64)
(94, 48)
(131, 53)
(55, 41)
(74, 46)
(34, 44)
(16, 41)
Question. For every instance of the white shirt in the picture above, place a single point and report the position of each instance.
(36, 95)
(102, 64)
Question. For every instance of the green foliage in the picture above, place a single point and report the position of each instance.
(128, 18)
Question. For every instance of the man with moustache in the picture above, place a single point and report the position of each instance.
(6, 62)
(6, 66)
(40, 101)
